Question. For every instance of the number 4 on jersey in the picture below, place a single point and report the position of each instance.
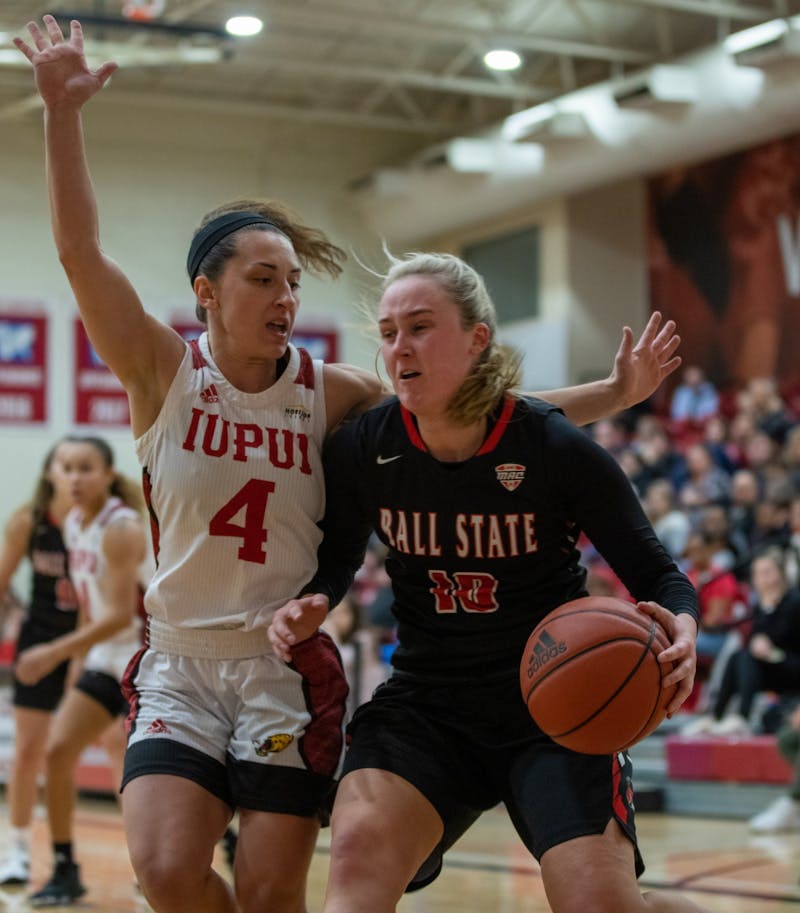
(252, 498)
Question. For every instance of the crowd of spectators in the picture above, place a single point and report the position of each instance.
(718, 475)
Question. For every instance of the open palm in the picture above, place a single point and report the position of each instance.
(60, 67)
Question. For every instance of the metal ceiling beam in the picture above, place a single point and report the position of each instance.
(460, 85)
(742, 11)
(440, 32)
(326, 115)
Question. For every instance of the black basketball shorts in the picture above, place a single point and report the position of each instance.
(468, 747)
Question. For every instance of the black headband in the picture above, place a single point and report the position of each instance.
(214, 231)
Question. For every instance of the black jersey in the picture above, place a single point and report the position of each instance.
(480, 551)
(54, 606)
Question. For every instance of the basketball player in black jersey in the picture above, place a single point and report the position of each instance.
(34, 531)
(479, 496)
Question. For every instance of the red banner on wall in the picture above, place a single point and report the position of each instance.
(319, 342)
(100, 399)
(23, 368)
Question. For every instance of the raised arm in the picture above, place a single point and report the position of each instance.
(637, 373)
(141, 351)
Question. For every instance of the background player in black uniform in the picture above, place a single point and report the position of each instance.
(479, 496)
(34, 531)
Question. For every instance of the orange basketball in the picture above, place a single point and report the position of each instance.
(590, 675)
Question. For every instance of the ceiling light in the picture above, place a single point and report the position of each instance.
(243, 26)
(502, 60)
(754, 37)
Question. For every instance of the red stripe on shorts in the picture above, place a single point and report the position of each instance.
(325, 687)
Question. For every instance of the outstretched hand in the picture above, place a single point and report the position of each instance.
(639, 369)
(62, 73)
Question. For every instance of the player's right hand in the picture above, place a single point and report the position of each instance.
(296, 621)
(62, 74)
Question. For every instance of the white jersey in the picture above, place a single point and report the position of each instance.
(235, 488)
(86, 568)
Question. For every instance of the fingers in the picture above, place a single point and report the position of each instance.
(53, 29)
(650, 332)
(105, 72)
(20, 45)
(40, 42)
(76, 34)
(626, 346)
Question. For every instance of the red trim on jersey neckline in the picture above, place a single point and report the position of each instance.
(305, 370)
(492, 439)
(305, 373)
(198, 361)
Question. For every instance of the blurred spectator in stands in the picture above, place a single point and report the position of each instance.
(695, 399)
(769, 661)
(791, 456)
(670, 524)
(610, 433)
(772, 514)
(740, 429)
(707, 482)
(792, 564)
(716, 438)
(763, 455)
(783, 814)
(763, 402)
(731, 549)
(722, 598)
(745, 496)
(660, 460)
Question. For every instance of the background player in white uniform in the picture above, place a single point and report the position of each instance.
(236, 424)
(109, 564)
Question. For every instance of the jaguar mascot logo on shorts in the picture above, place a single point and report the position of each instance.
(273, 744)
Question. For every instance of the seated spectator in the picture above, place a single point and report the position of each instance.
(722, 598)
(660, 460)
(764, 403)
(731, 549)
(745, 497)
(707, 482)
(771, 518)
(784, 813)
(610, 433)
(715, 437)
(695, 399)
(793, 548)
(769, 660)
(790, 456)
(670, 524)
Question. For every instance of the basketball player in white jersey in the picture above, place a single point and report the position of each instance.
(109, 567)
(229, 432)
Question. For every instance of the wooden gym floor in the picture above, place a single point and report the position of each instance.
(715, 862)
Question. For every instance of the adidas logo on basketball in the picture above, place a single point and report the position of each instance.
(210, 395)
(543, 651)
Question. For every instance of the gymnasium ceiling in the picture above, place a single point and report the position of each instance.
(412, 66)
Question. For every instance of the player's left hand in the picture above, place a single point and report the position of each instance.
(296, 621)
(640, 368)
(34, 663)
(682, 632)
